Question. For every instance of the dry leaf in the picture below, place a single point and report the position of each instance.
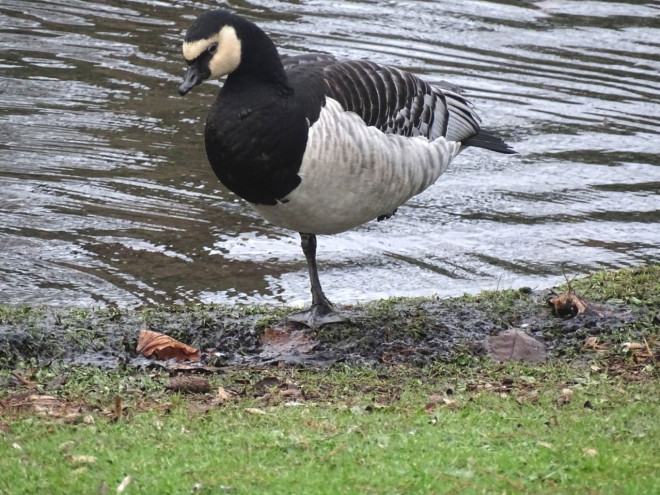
(223, 395)
(545, 444)
(24, 381)
(82, 458)
(515, 345)
(565, 397)
(189, 384)
(568, 305)
(590, 452)
(67, 445)
(16, 446)
(434, 399)
(164, 347)
(336, 450)
(439, 400)
(254, 410)
(124, 483)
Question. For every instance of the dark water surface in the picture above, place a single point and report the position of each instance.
(106, 195)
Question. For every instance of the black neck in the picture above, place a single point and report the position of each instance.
(259, 58)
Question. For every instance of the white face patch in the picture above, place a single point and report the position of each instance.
(227, 57)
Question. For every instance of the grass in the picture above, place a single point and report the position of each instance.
(484, 428)
(585, 422)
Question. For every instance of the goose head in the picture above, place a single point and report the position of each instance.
(219, 44)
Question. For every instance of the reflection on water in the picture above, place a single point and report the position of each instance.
(107, 196)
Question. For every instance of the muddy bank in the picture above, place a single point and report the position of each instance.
(415, 331)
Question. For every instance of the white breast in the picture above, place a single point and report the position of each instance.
(352, 173)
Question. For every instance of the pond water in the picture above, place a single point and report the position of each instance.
(106, 196)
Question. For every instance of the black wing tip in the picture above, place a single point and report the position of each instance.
(489, 142)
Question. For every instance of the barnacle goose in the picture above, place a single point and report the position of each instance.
(319, 145)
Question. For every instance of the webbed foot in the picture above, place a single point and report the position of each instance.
(316, 316)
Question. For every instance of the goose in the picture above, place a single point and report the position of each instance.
(320, 145)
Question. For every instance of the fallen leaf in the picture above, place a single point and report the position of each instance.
(82, 458)
(545, 444)
(254, 410)
(124, 483)
(24, 381)
(439, 400)
(190, 384)
(568, 305)
(279, 341)
(302, 441)
(223, 395)
(336, 450)
(565, 397)
(590, 452)
(16, 446)
(434, 400)
(67, 445)
(631, 346)
(164, 347)
(515, 345)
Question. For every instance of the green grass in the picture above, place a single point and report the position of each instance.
(351, 430)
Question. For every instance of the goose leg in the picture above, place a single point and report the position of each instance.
(321, 311)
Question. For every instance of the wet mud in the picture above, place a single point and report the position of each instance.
(415, 331)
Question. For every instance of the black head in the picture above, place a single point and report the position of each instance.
(219, 43)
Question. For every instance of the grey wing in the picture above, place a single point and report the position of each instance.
(390, 99)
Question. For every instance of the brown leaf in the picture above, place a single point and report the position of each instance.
(515, 345)
(279, 341)
(589, 452)
(164, 347)
(223, 395)
(190, 384)
(565, 397)
(568, 305)
(24, 381)
(439, 400)
(592, 343)
(434, 400)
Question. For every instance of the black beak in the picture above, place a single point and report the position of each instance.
(192, 78)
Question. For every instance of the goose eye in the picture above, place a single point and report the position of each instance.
(212, 48)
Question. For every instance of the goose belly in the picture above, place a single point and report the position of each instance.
(352, 173)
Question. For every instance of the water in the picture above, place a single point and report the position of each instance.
(107, 197)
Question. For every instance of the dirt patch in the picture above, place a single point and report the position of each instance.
(412, 331)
